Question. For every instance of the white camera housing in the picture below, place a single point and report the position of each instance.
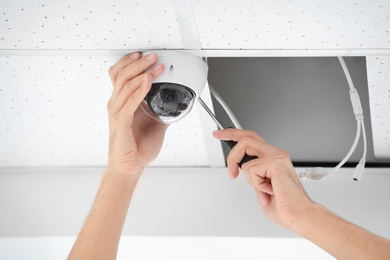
(174, 92)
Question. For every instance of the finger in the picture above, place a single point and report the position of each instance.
(261, 160)
(233, 172)
(264, 199)
(262, 184)
(245, 169)
(260, 167)
(232, 164)
(246, 146)
(131, 71)
(139, 94)
(235, 157)
(266, 187)
(268, 167)
(248, 178)
(130, 91)
(248, 143)
(134, 69)
(129, 88)
(114, 70)
(126, 60)
(235, 134)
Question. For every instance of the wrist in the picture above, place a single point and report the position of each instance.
(305, 217)
(126, 168)
(117, 175)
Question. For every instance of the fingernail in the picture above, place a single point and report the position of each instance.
(134, 55)
(150, 57)
(157, 67)
(216, 131)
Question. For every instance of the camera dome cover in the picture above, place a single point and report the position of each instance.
(173, 93)
(168, 102)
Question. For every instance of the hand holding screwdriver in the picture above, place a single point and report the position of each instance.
(229, 143)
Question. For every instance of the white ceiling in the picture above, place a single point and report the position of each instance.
(53, 107)
(236, 24)
(53, 113)
(90, 24)
(55, 56)
(293, 24)
(378, 77)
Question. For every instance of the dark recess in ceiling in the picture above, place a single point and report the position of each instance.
(301, 105)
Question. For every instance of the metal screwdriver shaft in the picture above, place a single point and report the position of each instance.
(220, 127)
(229, 143)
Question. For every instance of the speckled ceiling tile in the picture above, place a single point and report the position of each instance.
(293, 24)
(88, 24)
(53, 113)
(378, 75)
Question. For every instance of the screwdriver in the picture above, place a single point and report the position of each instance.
(229, 143)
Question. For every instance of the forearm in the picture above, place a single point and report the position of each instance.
(340, 238)
(99, 237)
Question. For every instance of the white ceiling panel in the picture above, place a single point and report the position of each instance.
(378, 76)
(88, 24)
(53, 113)
(293, 24)
(54, 84)
(52, 110)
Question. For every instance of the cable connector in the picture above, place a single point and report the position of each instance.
(356, 104)
(359, 170)
(315, 174)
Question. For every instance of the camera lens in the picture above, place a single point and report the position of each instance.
(168, 102)
(169, 95)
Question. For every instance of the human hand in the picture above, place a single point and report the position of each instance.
(278, 189)
(135, 138)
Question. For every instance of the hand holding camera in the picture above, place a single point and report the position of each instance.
(135, 138)
(174, 92)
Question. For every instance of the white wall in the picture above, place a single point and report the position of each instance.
(170, 248)
(177, 202)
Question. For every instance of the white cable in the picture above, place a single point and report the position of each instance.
(346, 72)
(225, 107)
(358, 111)
(346, 158)
(318, 174)
(364, 139)
(359, 170)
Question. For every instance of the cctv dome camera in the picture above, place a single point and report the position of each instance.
(174, 92)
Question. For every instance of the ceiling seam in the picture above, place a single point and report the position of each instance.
(205, 52)
(187, 24)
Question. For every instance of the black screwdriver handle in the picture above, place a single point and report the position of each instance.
(246, 158)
